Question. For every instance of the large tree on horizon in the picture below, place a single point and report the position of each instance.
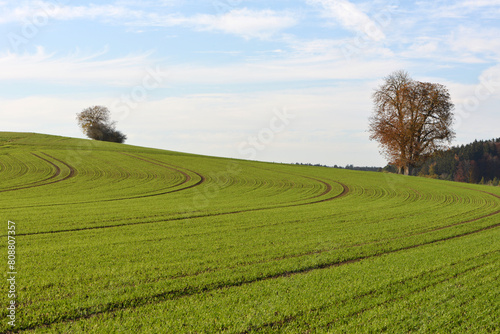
(411, 120)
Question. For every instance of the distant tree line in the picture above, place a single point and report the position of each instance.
(310, 164)
(478, 162)
(361, 168)
(350, 167)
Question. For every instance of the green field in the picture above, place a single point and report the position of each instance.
(114, 238)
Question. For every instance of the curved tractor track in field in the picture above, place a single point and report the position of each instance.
(177, 169)
(57, 172)
(171, 167)
(328, 189)
(187, 179)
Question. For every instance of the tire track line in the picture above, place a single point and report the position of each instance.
(344, 192)
(86, 313)
(328, 187)
(34, 183)
(171, 167)
(439, 279)
(410, 293)
(72, 171)
(58, 171)
(187, 179)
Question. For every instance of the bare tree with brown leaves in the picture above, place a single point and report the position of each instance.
(95, 123)
(411, 120)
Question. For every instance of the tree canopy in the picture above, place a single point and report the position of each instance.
(96, 124)
(411, 120)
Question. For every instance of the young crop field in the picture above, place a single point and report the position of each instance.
(111, 238)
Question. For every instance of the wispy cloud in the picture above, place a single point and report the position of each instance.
(74, 69)
(245, 22)
(26, 12)
(239, 21)
(477, 41)
(463, 44)
(461, 9)
(350, 17)
(99, 68)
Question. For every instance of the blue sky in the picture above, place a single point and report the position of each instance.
(285, 81)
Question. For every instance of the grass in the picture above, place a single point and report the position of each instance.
(117, 238)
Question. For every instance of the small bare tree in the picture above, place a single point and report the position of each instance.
(96, 124)
(411, 120)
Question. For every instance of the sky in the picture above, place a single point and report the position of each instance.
(281, 81)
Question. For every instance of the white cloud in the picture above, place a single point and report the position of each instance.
(478, 41)
(43, 10)
(128, 71)
(241, 22)
(475, 4)
(480, 3)
(285, 70)
(328, 48)
(245, 22)
(350, 17)
(465, 44)
(461, 9)
(73, 69)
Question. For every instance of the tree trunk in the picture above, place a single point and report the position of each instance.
(407, 170)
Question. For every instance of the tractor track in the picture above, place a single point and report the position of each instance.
(72, 173)
(290, 318)
(86, 313)
(186, 180)
(342, 194)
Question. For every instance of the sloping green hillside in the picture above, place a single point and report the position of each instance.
(114, 238)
